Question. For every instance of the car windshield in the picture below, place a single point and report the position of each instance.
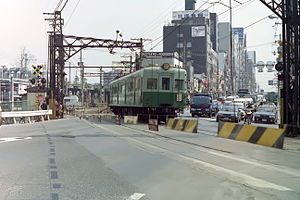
(200, 100)
(239, 106)
(266, 109)
(228, 108)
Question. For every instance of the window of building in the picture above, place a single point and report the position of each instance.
(179, 45)
(165, 83)
(189, 44)
(179, 84)
(188, 54)
(152, 83)
(189, 63)
(186, 15)
(180, 35)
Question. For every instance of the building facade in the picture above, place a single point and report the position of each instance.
(192, 36)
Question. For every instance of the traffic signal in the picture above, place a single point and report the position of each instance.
(279, 66)
(32, 81)
(43, 81)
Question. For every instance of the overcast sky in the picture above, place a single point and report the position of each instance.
(22, 25)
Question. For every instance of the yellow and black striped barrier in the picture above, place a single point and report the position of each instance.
(186, 125)
(272, 137)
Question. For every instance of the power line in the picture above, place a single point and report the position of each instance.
(58, 5)
(73, 11)
(248, 26)
(239, 7)
(178, 26)
(64, 5)
(205, 2)
(162, 15)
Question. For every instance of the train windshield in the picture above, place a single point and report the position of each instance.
(200, 100)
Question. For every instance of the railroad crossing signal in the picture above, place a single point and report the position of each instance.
(37, 70)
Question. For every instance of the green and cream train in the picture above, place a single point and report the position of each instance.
(149, 91)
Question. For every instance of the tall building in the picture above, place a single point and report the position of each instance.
(252, 56)
(193, 35)
(190, 4)
(223, 37)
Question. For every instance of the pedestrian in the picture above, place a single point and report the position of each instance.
(44, 105)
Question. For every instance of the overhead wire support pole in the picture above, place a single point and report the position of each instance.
(231, 51)
(141, 41)
(288, 11)
(62, 47)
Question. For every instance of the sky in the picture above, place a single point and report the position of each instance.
(22, 25)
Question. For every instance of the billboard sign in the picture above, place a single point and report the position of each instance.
(178, 15)
(198, 31)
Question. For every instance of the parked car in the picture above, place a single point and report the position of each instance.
(266, 114)
(229, 113)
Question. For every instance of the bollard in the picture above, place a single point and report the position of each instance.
(153, 124)
(118, 120)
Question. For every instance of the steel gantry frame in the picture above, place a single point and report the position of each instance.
(62, 47)
(289, 12)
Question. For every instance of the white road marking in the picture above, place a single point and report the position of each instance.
(13, 139)
(136, 196)
(248, 180)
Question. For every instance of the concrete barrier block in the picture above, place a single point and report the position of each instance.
(130, 119)
(272, 137)
(186, 125)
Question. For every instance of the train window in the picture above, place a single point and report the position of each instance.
(165, 83)
(129, 86)
(179, 84)
(152, 83)
(138, 84)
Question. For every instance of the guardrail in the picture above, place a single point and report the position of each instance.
(28, 114)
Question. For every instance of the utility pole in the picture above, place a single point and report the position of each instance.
(141, 40)
(12, 91)
(80, 64)
(230, 51)
(101, 85)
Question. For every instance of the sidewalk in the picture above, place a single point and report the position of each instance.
(288, 157)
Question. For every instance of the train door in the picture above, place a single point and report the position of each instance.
(165, 90)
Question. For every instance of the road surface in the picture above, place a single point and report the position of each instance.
(74, 159)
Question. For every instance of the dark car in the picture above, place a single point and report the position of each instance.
(201, 105)
(266, 114)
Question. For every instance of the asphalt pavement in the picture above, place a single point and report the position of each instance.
(78, 159)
